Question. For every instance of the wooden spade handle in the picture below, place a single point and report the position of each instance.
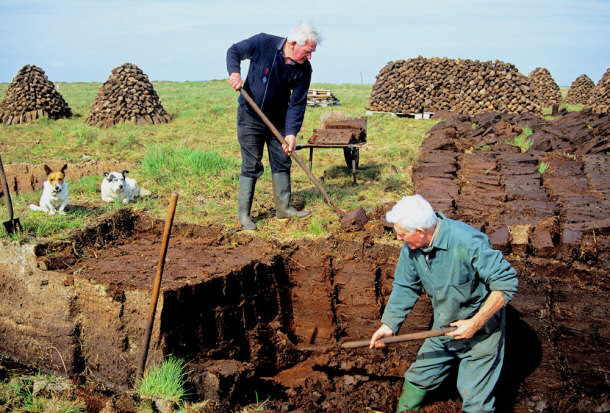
(398, 339)
(388, 340)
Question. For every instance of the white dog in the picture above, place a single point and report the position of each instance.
(54, 196)
(116, 185)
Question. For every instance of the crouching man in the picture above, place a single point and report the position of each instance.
(469, 283)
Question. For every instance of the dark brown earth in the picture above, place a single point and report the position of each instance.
(231, 304)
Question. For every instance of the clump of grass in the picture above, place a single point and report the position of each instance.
(317, 226)
(194, 170)
(165, 381)
(523, 141)
(258, 405)
(87, 186)
(18, 395)
(542, 167)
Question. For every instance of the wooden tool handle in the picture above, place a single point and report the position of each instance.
(157, 284)
(398, 339)
(5, 189)
(388, 340)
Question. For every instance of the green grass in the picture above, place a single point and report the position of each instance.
(543, 167)
(197, 155)
(80, 211)
(546, 111)
(17, 395)
(164, 381)
(523, 141)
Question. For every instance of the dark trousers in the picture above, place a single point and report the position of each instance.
(252, 134)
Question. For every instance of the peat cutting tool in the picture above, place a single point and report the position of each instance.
(388, 340)
(157, 284)
(296, 157)
(12, 225)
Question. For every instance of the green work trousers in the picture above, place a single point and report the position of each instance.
(480, 362)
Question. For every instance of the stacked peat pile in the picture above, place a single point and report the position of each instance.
(459, 85)
(580, 91)
(544, 87)
(31, 95)
(339, 129)
(600, 97)
(127, 96)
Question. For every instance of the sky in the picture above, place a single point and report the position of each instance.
(186, 40)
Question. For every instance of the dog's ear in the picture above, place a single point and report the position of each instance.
(63, 169)
(125, 172)
(47, 170)
(105, 174)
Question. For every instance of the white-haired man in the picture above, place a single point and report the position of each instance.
(278, 80)
(469, 283)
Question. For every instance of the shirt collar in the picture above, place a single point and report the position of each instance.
(439, 239)
(281, 51)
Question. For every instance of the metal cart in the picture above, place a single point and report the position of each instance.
(350, 152)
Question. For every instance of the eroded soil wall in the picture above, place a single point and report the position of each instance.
(232, 305)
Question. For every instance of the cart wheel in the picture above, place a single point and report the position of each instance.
(351, 153)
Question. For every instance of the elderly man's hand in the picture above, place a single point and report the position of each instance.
(465, 328)
(383, 331)
(235, 81)
(290, 145)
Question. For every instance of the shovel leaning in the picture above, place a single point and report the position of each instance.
(157, 284)
(12, 225)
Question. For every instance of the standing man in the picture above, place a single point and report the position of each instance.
(469, 283)
(278, 80)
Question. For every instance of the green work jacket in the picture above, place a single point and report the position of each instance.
(462, 270)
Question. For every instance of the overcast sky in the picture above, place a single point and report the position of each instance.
(82, 41)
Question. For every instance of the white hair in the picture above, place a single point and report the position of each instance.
(412, 212)
(302, 32)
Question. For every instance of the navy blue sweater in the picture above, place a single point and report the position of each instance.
(278, 88)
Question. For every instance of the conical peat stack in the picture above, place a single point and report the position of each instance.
(580, 91)
(31, 95)
(127, 96)
(544, 87)
(600, 97)
(465, 86)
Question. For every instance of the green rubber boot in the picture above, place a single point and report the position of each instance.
(411, 398)
(281, 197)
(246, 194)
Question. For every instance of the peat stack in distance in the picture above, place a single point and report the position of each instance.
(580, 91)
(31, 95)
(600, 97)
(465, 86)
(127, 96)
(544, 87)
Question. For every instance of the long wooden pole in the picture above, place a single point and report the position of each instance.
(157, 284)
(420, 335)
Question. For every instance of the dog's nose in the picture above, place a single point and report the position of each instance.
(120, 186)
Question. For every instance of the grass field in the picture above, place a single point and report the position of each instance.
(197, 155)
